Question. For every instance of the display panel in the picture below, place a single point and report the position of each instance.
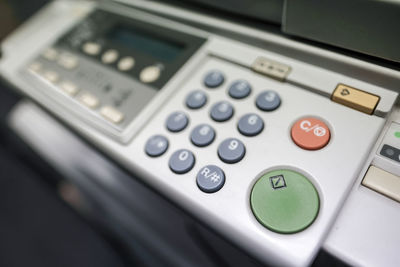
(159, 48)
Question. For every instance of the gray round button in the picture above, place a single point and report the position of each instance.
(231, 150)
(177, 121)
(210, 179)
(196, 99)
(214, 79)
(239, 89)
(268, 100)
(202, 135)
(221, 111)
(181, 161)
(250, 125)
(156, 146)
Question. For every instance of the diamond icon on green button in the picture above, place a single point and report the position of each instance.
(284, 201)
(277, 181)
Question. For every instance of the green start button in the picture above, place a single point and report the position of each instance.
(284, 201)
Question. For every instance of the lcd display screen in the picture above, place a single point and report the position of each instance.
(159, 48)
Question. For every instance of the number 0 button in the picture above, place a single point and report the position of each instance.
(250, 125)
(231, 150)
(177, 121)
(181, 161)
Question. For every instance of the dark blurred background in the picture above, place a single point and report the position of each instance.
(37, 225)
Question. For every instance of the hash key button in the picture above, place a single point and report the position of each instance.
(210, 179)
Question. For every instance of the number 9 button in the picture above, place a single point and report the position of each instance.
(231, 150)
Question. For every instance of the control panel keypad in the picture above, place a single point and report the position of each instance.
(241, 132)
(230, 150)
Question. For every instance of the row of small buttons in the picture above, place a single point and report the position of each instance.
(249, 125)
(65, 60)
(231, 150)
(147, 75)
(223, 111)
(308, 133)
(71, 89)
(266, 101)
(210, 178)
(53, 77)
(109, 56)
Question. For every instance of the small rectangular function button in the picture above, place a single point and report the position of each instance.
(271, 68)
(68, 61)
(69, 87)
(355, 98)
(112, 114)
(89, 100)
(383, 182)
(390, 152)
(35, 67)
(50, 54)
(51, 76)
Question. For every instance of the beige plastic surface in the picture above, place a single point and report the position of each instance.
(383, 182)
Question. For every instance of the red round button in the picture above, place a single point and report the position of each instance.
(310, 133)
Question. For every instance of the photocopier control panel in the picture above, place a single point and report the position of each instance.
(262, 147)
